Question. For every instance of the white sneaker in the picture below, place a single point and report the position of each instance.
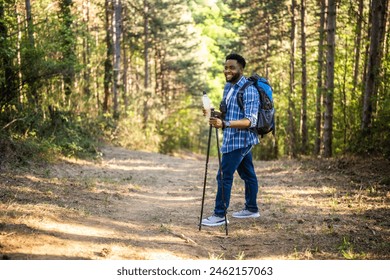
(245, 214)
(214, 221)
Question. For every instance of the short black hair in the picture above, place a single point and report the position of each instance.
(237, 57)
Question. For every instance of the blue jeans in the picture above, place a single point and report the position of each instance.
(240, 160)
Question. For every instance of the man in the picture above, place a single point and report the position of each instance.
(237, 144)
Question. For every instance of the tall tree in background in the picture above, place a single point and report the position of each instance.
(86, 53)
(117, 55)
(267, 41)
(108, 67)
(303, 123)
(29, 59)
(291, 106)
(126, 64)
(319, 90)
(378, 24)
(68, 47)
(357, 48)
(386, 66)
(329, 85)
(8, 77)
(145, 113)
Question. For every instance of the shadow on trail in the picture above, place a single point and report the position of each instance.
(135, 204)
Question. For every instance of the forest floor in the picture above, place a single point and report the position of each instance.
(140, 206)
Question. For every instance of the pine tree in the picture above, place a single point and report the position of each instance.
(329, 83)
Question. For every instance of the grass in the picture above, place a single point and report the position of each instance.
(346, 249)
(240, 256)
(307, 254)
(165, 228)
(213, 256)
(89, 183)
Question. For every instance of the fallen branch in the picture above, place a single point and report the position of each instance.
(15, 120)
(182, 236)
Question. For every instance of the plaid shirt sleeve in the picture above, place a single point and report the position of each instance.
(251, 104)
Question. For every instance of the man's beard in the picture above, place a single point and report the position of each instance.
(234, 78)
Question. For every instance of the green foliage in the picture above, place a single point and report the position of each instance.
(71, 135)
(219, 37)
(176, 131)
(376, 142)
(187, 41)
(31, 136)
(266, 149)
(17, 151)
(347, 250)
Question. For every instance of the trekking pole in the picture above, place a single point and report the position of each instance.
(221, 175)
(205, 177)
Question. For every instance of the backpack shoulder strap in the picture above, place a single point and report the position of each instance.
(240, 94)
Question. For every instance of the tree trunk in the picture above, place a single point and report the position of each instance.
(86, 52)
(319, 96)
(117, 54)
(366, 55)
(7, 88)
(146, 45)
(19, 58)
(378, 18)
(330, 56)
(146, 65)
(304, 129)
(127, 73)
(96, 73)
(164, 90)
(267, 41)
(291, 107)
(157, 72)
(125, 78)
(386, 74)
(344, 95)
(358, 41)
(108, 61)
(68, 42)
(30, 26)
(29, 59)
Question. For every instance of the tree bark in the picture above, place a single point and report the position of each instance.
(291, 107)
(19, 74)
(319, 95)
(68, 42)
(8, 90)
(330, 56)
(378, 19)
(30, 26)
(344, 96)
(86, 52)
(125, 77)
(146, 65)
(108, 61)
(358, 41)
(29, 59)
(386, 74)
(267, 41)
(117, 55)
(304, 129)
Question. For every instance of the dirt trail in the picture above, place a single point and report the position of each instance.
(139, 205)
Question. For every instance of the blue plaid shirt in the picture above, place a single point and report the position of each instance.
(234, 138)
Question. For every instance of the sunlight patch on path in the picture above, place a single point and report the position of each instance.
(160, 256)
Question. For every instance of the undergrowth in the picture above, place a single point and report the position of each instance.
(32, 137)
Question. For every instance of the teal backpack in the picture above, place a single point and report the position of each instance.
(266, 114)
